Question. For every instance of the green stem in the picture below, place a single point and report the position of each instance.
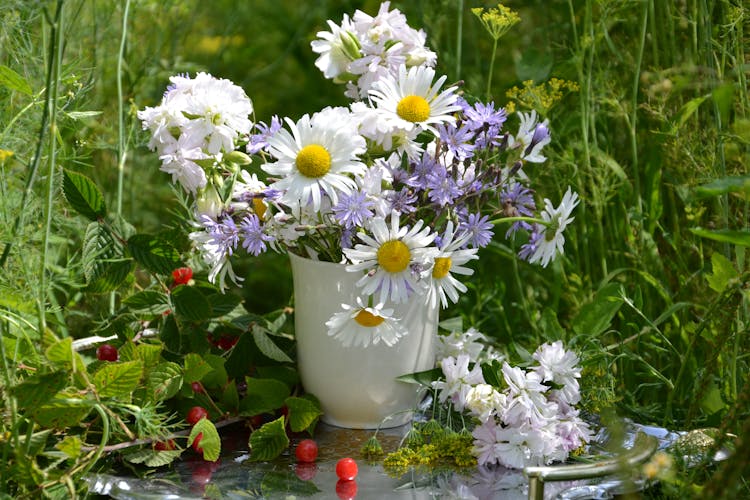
(634, 111)
(492, 68)
(532, 220)
(52, 98)
(103, 442)
(459, 37)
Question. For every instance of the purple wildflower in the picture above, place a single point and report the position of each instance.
(518, 200)
(443, 188)
(457, 140)
(254, 239)
(485, 115)
(347, 238)
(541, 134)
(528, 249)
(402, 201)
(259, 142)
(352, 210)
(480, 229)
(421, 170)
(224, 233)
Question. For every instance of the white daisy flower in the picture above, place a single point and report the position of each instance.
(314, 158)
(551, 238)
(360, 325)
(395, 258)
(531, 137)
(245, 194)
(410, 99)
(449, 260)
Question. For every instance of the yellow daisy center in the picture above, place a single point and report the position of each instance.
(413, 108)
(441, 267)
(259, 207)
(394, 256)
(368, 319)
(313, 161)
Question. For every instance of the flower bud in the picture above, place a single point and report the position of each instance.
(238, 157)
(350, 45)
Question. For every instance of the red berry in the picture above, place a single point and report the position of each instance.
(197, 443)
(307, 450)
(202, 473)
(305, 471)
(164, 445)
(182, 275)
(106, 352)
(346, 490)
(195, 414)
(197, 387)
(346, 469)
(226, 342)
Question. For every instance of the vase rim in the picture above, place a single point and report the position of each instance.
(321, 262)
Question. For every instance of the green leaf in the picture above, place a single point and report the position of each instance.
(118, 379)
(230, 398)
(196, 368)
(152, 458)
(71, 446)
(267, 346)
(455, 324)
(104, 265)
(170, 335)
(595, 317)
(493, 374)
(686, 112)
(723, 272)
(269, 441)
(277, 484)
(83, 195)
(153, 253)
(148, 302)
(550, 326)
(218, 377)
(61, 354)
(426, 377)
(284, 373)
(164, 381)
(718, 187)
(741, 238)
(36, 444)
(190, 304)
(303, 413)
(210, 442)
(712, 401)
(14, 81)
(223, 303)
(263, 396)
(38, 390)
(82, 115)
(60, 414)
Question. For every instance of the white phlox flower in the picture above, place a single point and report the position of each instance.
(560, 367)
(359, 325)
(483, 401)
(449, 260)
(314, 158)
(471, 342)
(390, 257)
(180, 160)
(458, 380)
(526, 401)
(337, 48)
(551, 239)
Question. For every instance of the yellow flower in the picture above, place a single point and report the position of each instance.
(497, 21)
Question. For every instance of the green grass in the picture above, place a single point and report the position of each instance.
(662, 109)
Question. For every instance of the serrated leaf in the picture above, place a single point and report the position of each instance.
(269, 441)
(62, 354)
(741, 238)
(59, 414)
(37, 444)
(277, 323)
(276, 484)
(196, 368)
(40, 389)
(263, 396)
(154, 253)
(210, 442)
(595, 317)
(169, 333)
(148, 302)
(223, 303)
(164, 381)
(425, 377)
(118, 379)
(493, 374)
(723, 271)
(83, 195)
(190, 304)
(218, 377)
(303, 413)
(152, 458)
(267, 346)
(104, 265)
(71, 446)
(14, 81)
(283, 373)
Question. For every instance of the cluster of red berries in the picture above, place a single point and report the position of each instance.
(346, 469)
(195, 414)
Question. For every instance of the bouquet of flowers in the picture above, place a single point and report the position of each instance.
(404, 185)
(525, 416)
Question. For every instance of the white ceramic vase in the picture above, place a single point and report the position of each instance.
(357, 386)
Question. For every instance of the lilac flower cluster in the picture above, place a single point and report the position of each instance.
(532, 419)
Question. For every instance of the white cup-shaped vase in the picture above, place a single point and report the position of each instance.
(356, 385)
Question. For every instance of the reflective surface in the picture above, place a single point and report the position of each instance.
(235, 476)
